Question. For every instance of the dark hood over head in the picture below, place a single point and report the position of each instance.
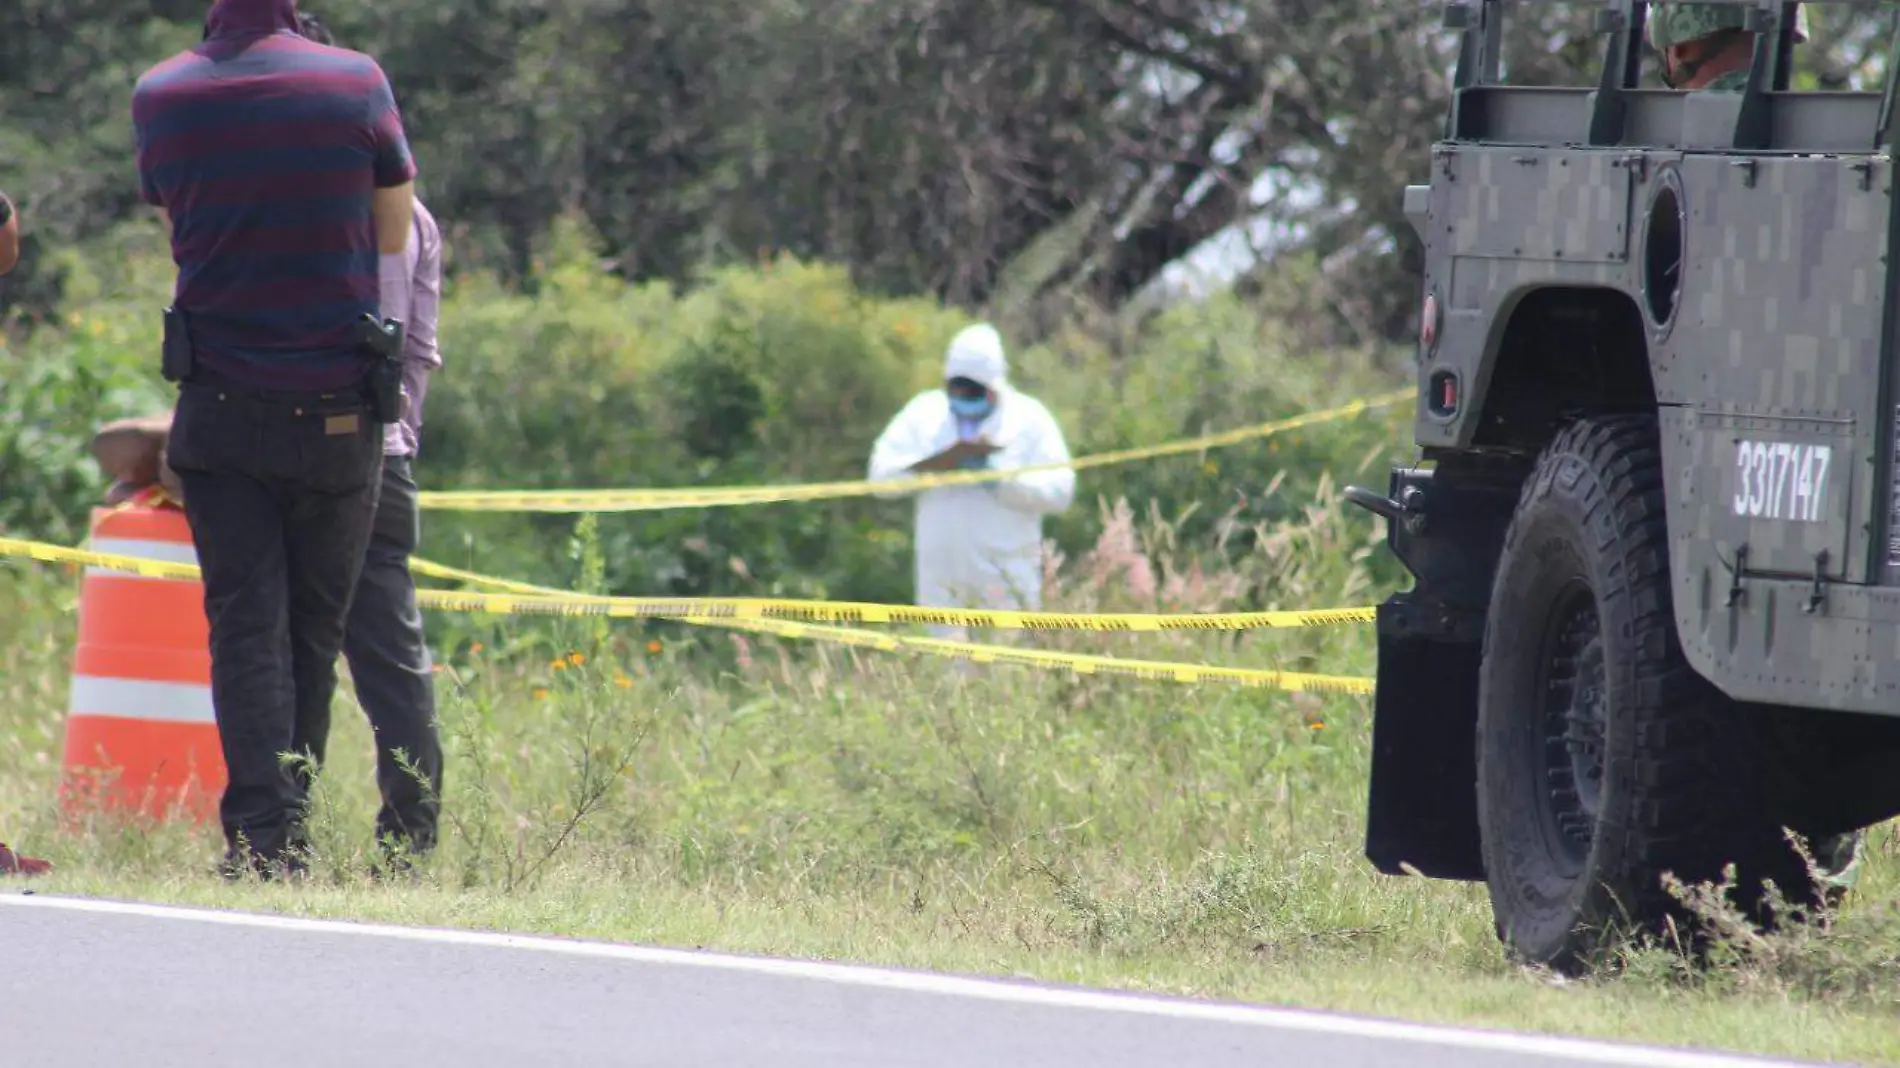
(250, 18)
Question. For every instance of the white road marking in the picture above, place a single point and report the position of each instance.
(947, 985)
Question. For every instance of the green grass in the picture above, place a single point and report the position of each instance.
(828, 803)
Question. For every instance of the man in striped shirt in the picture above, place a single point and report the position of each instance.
(281, 171)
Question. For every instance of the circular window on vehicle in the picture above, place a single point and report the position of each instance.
(1663, 252)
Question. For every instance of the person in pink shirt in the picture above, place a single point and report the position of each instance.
(382, 639)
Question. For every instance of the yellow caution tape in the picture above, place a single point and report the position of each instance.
(649, 500)
(1077, 663)
(59, 554)
(559, 603)
(746, 608)
(551, 601)
(419, 566)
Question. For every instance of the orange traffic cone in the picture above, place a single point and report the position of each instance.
(140, 735)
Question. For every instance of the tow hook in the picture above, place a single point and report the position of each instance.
(1408, 511)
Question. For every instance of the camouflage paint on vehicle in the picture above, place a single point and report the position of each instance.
(1770, 372)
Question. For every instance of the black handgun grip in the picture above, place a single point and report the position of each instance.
(382, 342)
(380, 338)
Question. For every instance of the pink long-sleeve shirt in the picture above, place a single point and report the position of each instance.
(412, 292)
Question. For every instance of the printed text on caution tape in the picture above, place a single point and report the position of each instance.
(1073, 662)
(743, 608)
(1077, 663)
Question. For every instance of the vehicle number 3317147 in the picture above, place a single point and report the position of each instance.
(1781, 480)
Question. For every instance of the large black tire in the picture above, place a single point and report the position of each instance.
(1604, 760)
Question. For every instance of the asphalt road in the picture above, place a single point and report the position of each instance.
(85, 983)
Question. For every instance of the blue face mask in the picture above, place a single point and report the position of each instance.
(970, 407)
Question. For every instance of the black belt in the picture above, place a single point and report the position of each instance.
(353, 395)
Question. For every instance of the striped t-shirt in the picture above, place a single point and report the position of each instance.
(265, 149)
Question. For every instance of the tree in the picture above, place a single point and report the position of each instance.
(983, 152)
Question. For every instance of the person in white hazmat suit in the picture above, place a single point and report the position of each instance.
(977, 546)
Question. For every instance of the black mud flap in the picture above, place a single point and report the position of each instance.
(1422, 812)
(1446, 527)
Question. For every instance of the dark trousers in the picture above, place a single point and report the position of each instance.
(390, 662)
(280, 491)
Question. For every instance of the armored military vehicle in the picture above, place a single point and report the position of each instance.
(1654, 524)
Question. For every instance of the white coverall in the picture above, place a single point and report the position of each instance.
(979, 546)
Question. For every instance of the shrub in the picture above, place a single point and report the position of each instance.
(57, 386)
(784, 373)
(773, 373)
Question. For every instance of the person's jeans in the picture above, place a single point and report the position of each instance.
(389, 661)
(280, 491)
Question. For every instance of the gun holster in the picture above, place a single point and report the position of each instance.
(381, 341)
(176, 361)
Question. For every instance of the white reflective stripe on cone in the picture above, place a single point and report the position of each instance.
(169, 702)
(165, 552)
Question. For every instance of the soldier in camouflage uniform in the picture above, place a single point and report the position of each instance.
(1709, 47)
